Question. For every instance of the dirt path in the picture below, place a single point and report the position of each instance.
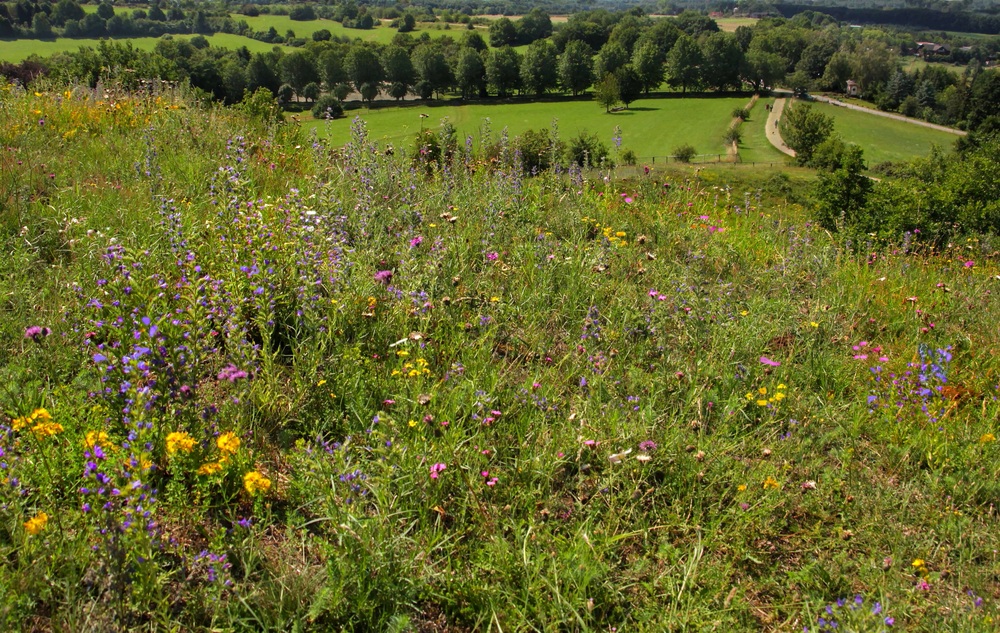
(771, 127)
(888, 115)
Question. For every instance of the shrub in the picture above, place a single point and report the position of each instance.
(741, 113)
(732, 136)
(537, 150)
(629, 158)
(328, 106)
(586, 149)
(684, 153)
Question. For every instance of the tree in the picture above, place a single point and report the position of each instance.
(260, 74)
(606, 92)
(322, 35)
(105, 11)
(408, 24)
(298, 69)
(576, 68)
(803, 129)
(694, 23)
(872, 64)
(502, 33)
(328, 106)
(842, 193)
(364, 67)
(311, 91)
(331, 69)
(723, 61)
(475, 41)
(470, 73)
(398, 68)
(66, 10)
(609, 59)
(41, 27)
(432, 66)
(369, 91)
(539, 72)
(629, 84)
(684, 64)
(838, 71)
(535, 25)
(503, 68)
(647, 62)
(763, 69)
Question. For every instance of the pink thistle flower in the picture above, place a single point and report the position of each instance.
(437, 468)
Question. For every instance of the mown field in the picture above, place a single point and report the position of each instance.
(17, 50)
(885, 139)
(305, 28)
(252, 383)
(650, 127)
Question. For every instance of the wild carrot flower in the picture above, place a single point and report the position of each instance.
(255, 482)
(228, 443)
(36, 524)
(180, 441)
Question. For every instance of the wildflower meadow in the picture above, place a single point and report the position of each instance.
(254, 382)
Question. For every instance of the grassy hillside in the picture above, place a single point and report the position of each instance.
(251, 383)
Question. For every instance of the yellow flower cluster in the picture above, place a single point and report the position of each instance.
(40, 422)
(762, 399)
(180, 441)
(412, 370)
(95, 438)
(36, 524)
(920, 567)
(255, 482)
(38, 415)
(771, 483)
(986, 438)
(228, 444)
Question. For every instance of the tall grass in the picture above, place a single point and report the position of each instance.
(273, 386)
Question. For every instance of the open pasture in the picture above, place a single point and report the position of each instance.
(17, 50)
(650, 127)
(884, 139)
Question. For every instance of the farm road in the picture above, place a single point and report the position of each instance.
(771, 127)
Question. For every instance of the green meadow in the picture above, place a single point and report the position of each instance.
(650, 127)
(305, 28)
(17, 50)
(885, 139)
(255, 383)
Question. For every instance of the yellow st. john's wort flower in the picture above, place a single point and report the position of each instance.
(228, 443)
(36, 524)
(255, 482)
(95, 438)
(209, 468)
(47, 429)
(38, 415)
(180, 441)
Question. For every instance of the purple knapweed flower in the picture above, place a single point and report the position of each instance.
(36, 332)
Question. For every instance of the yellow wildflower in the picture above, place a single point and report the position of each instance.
(762, 403)
(412, 423)
(741, 487)
(209, 468)
(814, 324)
(771, 482)
(228, 443)
(36, 524)
(47, 429)
(95, 438)
(179, 441)
(255, 482)
(986, 438)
